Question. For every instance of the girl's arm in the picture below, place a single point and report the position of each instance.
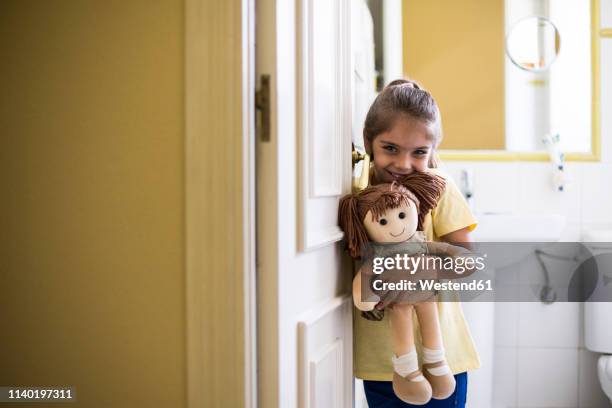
(460, 237)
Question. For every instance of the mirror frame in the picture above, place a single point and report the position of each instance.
(595, 154)
(539, 20)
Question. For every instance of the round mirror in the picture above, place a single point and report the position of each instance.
(533, 44)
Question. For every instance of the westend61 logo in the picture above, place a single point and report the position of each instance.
(414, 264)
(421, 273)
(545, 272)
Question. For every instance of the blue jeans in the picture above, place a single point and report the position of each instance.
(380, 395)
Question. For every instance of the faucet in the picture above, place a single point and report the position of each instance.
(467, 186)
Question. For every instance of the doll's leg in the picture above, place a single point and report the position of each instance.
(402, 331)
(435, 368)
(408, 382)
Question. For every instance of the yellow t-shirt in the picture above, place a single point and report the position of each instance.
(372, 348)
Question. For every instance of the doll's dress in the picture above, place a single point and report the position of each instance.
(414, 246)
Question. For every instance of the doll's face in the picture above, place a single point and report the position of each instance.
(395, 225)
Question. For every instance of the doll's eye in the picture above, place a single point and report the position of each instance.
(402, 215)
(383, 221)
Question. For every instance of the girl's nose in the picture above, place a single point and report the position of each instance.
(404, 164)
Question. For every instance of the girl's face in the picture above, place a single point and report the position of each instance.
(405, 148)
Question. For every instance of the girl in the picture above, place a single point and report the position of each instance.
(401, 132)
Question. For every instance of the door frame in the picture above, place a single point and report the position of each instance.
(220, 203)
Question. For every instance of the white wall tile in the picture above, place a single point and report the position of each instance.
(606, 97)
(507, 275)
(496, 187)
(537, 194)
(547, 377)
(581, 328)
(605, 13)
(590, 393)
(548, 363)
(496, 184)
(594, 226)
(597, 194)
(560, 271)
(506, 324)
(554, 325)
(454, 168)
(572, 232)
(505, 375)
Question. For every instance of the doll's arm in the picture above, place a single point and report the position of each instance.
(360, 304)
(446, 249)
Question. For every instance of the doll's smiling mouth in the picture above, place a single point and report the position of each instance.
(404, 229)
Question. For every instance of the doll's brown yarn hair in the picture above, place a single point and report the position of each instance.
(423, 189)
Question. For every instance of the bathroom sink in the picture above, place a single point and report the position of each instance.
(511, 227)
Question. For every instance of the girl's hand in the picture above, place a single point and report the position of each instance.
(461, 238)
(374, 315)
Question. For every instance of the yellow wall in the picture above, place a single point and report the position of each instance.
(456, 51)
(91, 168)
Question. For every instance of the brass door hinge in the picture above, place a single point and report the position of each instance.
(262, 104)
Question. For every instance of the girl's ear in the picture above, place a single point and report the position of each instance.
(433, 160)
(348, 216)
(427, 187)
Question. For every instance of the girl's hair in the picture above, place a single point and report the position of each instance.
(406, 97)
(423, 189)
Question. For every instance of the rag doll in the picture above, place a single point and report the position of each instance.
(385, 220)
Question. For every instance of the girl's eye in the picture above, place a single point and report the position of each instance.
(402, 215)
(383, 221)
(390, 148)
(420, 152)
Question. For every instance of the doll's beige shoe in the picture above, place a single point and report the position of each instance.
(410, 391)
(442, 386)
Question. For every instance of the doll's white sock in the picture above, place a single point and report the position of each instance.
(406, 364)
(433, 356)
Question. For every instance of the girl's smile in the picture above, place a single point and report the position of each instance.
(405, 148)
(395, 175)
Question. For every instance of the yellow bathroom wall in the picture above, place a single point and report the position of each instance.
(92, 209)
(456, 51)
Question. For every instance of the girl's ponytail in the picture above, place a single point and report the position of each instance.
(403, 82)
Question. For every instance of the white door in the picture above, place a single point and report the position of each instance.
(304, 304)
